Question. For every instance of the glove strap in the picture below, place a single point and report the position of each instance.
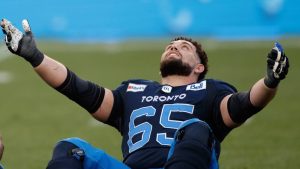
(36, 59)
(30, 53)
(271, 82)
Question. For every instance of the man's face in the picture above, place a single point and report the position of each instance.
(179, 58)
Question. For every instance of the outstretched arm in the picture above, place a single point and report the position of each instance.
(51, 71)
(23, 45)
(238, 107)
(95, 99)
(100, 101)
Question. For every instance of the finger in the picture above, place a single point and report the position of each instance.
(271, 63)
(283, 58)
(10, 49)
(8, 44)
(286, 66)
(286, 71)
(4, 25)
(276, 67)
(283, 61)
(26, 27)
(280, 52)
(7, 26)
(2, 22)
(278, 56)
(279, 47)
(287, 62)
(273, 54)
(8, 38)
(4, 32)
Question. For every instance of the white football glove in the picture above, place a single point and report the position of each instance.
(22, 44)
(277, 66)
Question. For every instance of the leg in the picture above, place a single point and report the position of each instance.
(62, 157)
(193, 147)
(85, 154)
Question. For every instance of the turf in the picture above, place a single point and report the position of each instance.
(33, 117)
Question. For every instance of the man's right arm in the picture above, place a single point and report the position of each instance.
(96, 99)
(55, 74)
(51, 71)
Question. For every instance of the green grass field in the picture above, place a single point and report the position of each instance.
(33, 117)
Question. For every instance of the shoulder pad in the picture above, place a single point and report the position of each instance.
(219, 84)
(139, 81)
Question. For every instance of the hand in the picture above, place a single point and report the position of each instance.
(21, 44)
(277, 66)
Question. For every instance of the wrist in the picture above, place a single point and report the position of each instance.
(29, 51)
(271, 82)
(36, 58)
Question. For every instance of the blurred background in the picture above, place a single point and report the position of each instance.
(108, 42)
(116, 20)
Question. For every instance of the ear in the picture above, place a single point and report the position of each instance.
(199, 68)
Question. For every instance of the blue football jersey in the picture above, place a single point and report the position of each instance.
(147, 114)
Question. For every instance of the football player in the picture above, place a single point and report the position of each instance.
(176, 123)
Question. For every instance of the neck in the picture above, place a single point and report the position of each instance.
(176, 80)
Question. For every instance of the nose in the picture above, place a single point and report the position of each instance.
(173, 48)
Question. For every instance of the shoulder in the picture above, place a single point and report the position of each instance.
(139, 81)
(220, 85)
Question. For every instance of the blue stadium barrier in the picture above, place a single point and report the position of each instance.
(113, 20)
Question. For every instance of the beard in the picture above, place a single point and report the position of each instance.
(175, 67)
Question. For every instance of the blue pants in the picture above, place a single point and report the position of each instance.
(194, 147)
(95, 158)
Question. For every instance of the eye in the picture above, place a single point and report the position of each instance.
(185, 47)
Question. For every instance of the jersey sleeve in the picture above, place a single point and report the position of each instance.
(219, 90)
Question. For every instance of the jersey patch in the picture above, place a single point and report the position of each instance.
(166, 89)
(197, 86)
(136, 87)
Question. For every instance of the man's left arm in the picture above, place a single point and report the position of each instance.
(238, 107)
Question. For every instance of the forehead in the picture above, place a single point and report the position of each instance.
(183, 42)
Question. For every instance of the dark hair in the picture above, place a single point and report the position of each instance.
(201, 54)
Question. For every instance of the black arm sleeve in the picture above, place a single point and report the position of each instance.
(87, 94)
(240, 108)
